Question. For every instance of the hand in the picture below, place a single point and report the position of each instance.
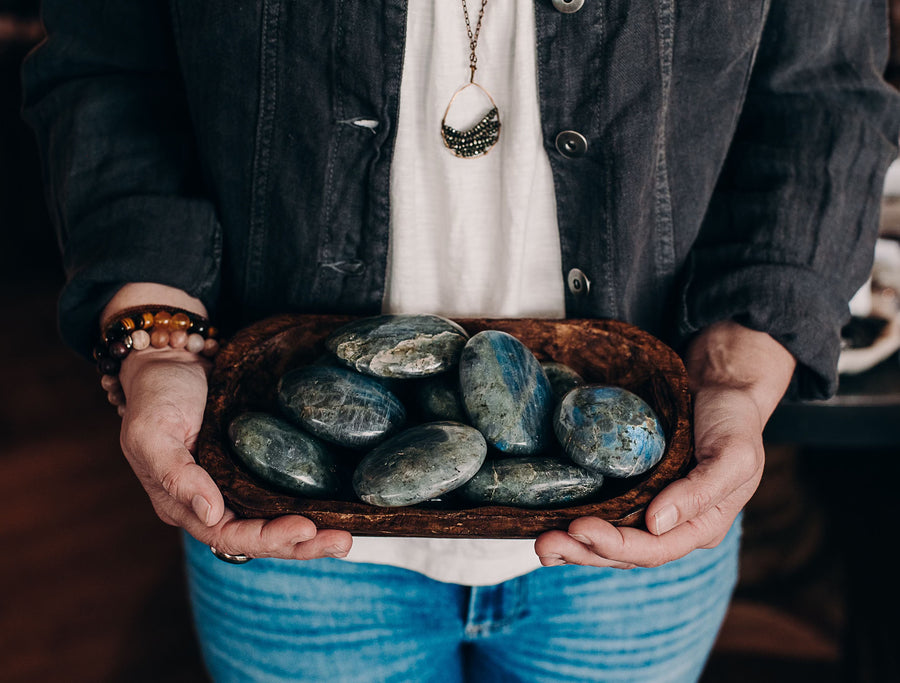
(165, 392)
(737, 377)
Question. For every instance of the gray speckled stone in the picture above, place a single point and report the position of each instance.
(610, 430)
(280, 454)
(399, 345)
(506, 393)
(340, 406)
(419, 463)
(438, 398)
(531, 481)
(562, 378)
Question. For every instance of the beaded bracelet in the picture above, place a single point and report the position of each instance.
(136, 329)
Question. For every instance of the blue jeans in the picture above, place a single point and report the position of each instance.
(332, 620)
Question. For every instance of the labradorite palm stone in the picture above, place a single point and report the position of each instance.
(506, 393)
(438, 398)
(419, 463)
(340, 406)
(609, 430)
(399, 345)
(562, 378)
(531, 481)
(280, 454)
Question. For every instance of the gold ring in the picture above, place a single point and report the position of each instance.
(231, 559)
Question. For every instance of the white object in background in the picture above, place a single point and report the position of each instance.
(854, 361)
(861, 303)
(892, 180)
(878, 298)
(886, 268)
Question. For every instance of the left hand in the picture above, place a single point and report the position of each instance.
(737, 378)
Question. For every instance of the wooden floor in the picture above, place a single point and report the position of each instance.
(92, 584)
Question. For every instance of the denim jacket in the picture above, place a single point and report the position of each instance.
(711, 160)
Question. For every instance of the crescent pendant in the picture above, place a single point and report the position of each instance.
(478, 139)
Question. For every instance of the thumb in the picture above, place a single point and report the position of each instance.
(176, 484)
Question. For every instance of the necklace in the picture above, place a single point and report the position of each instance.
(478, 139)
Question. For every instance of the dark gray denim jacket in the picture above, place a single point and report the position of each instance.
(733, 165)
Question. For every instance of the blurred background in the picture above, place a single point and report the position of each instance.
(91, 584)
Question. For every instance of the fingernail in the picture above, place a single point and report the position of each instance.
(581, 539)
(552, 560)
(337, 551)
(666, 519)
(202, 508)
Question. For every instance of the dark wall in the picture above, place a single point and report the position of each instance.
(27, 244)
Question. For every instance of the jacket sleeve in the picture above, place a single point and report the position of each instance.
(103, 96)
(789, 235)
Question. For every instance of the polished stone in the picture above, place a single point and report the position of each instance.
(531, 481)
(419, 463)
(340, 406)
(506, 393)
(562, 378)
(399, 345)
(280, 454)
(438, 398)
(395, 386)
(610, 430)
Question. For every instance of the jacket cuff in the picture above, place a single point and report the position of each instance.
(790, 303)
(134, 240)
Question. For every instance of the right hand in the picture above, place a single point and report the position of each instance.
(165, 392)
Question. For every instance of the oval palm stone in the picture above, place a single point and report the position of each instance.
(610, 430)
(531, 481)
(339, 405)
(399, 345)
(562, 378)
(419, 463)
(506, 393)
(280, 454)
(438, 398)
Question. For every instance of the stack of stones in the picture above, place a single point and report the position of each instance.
(405, 409)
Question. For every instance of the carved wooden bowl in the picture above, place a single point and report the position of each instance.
(602, 351)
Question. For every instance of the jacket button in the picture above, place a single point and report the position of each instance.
(568, 6)
(571, 144)
(578, 282)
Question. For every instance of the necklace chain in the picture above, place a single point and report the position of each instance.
(478, 139)
(473, 36)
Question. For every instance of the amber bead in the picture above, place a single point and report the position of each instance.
(180, 321)
(145, 320)
(162, 319)
(199, 326)
(159, 338)
(178, 339)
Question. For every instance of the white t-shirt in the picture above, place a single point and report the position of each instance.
(469, 237)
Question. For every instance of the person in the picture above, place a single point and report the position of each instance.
(709, 172)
